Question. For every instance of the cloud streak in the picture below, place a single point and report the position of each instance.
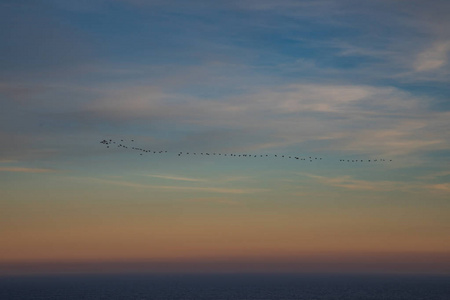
(25, 170)
(349, 183)
(181, 188)
(177, 178)
(433, 58)
(352, 184)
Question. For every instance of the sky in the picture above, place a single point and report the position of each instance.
(337, 80)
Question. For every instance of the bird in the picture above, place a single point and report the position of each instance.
(120, 144)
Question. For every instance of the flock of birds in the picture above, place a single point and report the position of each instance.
(141, 151)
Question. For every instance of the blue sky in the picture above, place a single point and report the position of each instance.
(336, 79)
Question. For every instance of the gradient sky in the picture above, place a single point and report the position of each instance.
(343, 79)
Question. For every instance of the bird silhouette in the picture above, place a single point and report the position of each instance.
(123, 145)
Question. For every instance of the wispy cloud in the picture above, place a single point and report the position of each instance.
(235, 178)
(214, 200)
(434, 175)
(440, 187)
(384, 120)
(433, 58)
(181, 188)
(224, 179)
(350, 183)
(25, 170)
(7, 161)
(169, 177)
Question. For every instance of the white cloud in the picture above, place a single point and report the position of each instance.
(433, 58)
(169, 177)
(349, 183)
(359, 118)
(219, 190)
(404, 136)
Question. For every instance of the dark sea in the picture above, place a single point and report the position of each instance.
(229, 286)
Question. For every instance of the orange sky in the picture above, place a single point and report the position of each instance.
(297, 233)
